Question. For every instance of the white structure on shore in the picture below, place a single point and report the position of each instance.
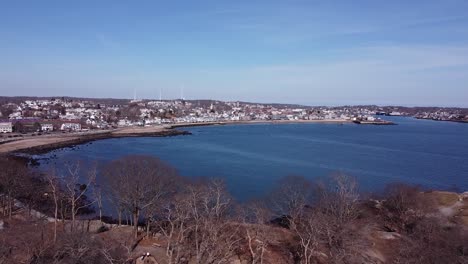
(71, 126)
(47, 127)
(6, 127)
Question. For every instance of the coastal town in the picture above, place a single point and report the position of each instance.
(46, 115)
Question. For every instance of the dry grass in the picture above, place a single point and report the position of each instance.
(463, 213)
(464, 220)
(444, 199)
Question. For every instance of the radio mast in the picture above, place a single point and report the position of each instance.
(182, 92)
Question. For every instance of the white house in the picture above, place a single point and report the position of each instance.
(91, 121)
(71, 126)
(124, 122)
(47, 127)
(6, 127)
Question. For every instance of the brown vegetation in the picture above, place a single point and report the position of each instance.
(183, 220)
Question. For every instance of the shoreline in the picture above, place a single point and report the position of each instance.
(40, 145)
(46, 143)
(443, 120)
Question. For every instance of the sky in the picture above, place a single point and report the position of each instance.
(305, 52)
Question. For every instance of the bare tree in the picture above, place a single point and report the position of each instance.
(311, 231)
(197, 224)
(318, 213)
(337, 207)
(98, 197)
(13, 177)
(290, 196)
(215, 238)
(55, 190)
(255, 216)
(338, 196)
(176, 225)
(32, 192)
(138, 183)
(293, 198)
(113, 189)
(75, 190)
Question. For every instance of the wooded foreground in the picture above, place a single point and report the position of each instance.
(58, 217)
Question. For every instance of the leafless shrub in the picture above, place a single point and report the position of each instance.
(79, 248)
(404, 206)
(21, 240)
(319, 214)
(429, 242)
(5, 252)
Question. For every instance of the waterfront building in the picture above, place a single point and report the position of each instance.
(124, 122)
(6, 127)
(47, 127)
(71, 126)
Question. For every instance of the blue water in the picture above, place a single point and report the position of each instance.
(252, 157)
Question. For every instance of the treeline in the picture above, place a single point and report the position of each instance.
(197, 220)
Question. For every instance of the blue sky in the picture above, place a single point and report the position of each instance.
(308, 52)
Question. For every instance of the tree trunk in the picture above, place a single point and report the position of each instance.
(73, 217)
(10, 206)
(3, 205)
(136, 215)
(147, 227)
(56, 219)
(100, 214)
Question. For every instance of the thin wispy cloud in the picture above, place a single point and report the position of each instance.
(390, 70)
(107, 42)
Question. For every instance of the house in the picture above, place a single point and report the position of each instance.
(47, 127)
(71, 126)
(91, 121)
(6, 127)
(124, 122)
